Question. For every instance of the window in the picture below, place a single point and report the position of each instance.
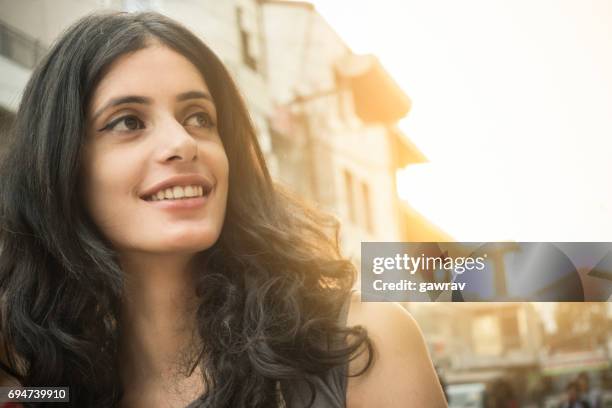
(486, 335)
(367, 209)
(348, 188)
(248, 57)
(6, 120)
(511, 334)
(137, 5)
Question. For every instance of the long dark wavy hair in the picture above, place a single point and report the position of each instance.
(269, 290)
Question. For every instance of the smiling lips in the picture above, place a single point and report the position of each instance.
(179, 193)
(178, 198)
(180, 187)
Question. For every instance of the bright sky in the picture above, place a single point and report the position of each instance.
(512, 104)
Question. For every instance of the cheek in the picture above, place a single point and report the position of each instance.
(225, 168)
(217, 161)
(107, 179)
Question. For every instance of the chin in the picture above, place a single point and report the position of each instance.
(189, 242)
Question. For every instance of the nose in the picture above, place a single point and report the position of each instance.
(175, 143)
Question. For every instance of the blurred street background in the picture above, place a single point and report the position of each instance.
(509, 139)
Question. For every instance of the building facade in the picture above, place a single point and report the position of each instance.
(334, 124)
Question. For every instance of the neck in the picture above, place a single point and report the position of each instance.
(157, 317)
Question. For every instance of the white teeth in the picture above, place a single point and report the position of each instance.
(178, 192)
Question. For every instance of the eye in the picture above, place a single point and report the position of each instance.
(200, 119)
(125, 123)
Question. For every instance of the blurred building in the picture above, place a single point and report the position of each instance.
(487, 336)
(536, 350)
(480, 343)
(582, 340)
(334, 127)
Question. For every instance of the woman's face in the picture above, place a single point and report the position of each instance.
(155, 171)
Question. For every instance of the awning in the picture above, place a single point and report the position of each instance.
(564, 363)
(481, 376)
(376, 96)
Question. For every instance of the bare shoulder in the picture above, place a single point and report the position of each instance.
(402, 374)
(5, 379)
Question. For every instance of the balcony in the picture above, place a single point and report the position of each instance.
(19, 47)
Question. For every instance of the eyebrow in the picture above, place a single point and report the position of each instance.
(122, 100)
(193, 95)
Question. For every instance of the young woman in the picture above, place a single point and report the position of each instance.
(147, 258)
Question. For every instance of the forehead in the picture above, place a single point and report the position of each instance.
(154, 71)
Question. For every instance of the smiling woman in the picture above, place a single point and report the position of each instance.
(147, 258)
(150, 155)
